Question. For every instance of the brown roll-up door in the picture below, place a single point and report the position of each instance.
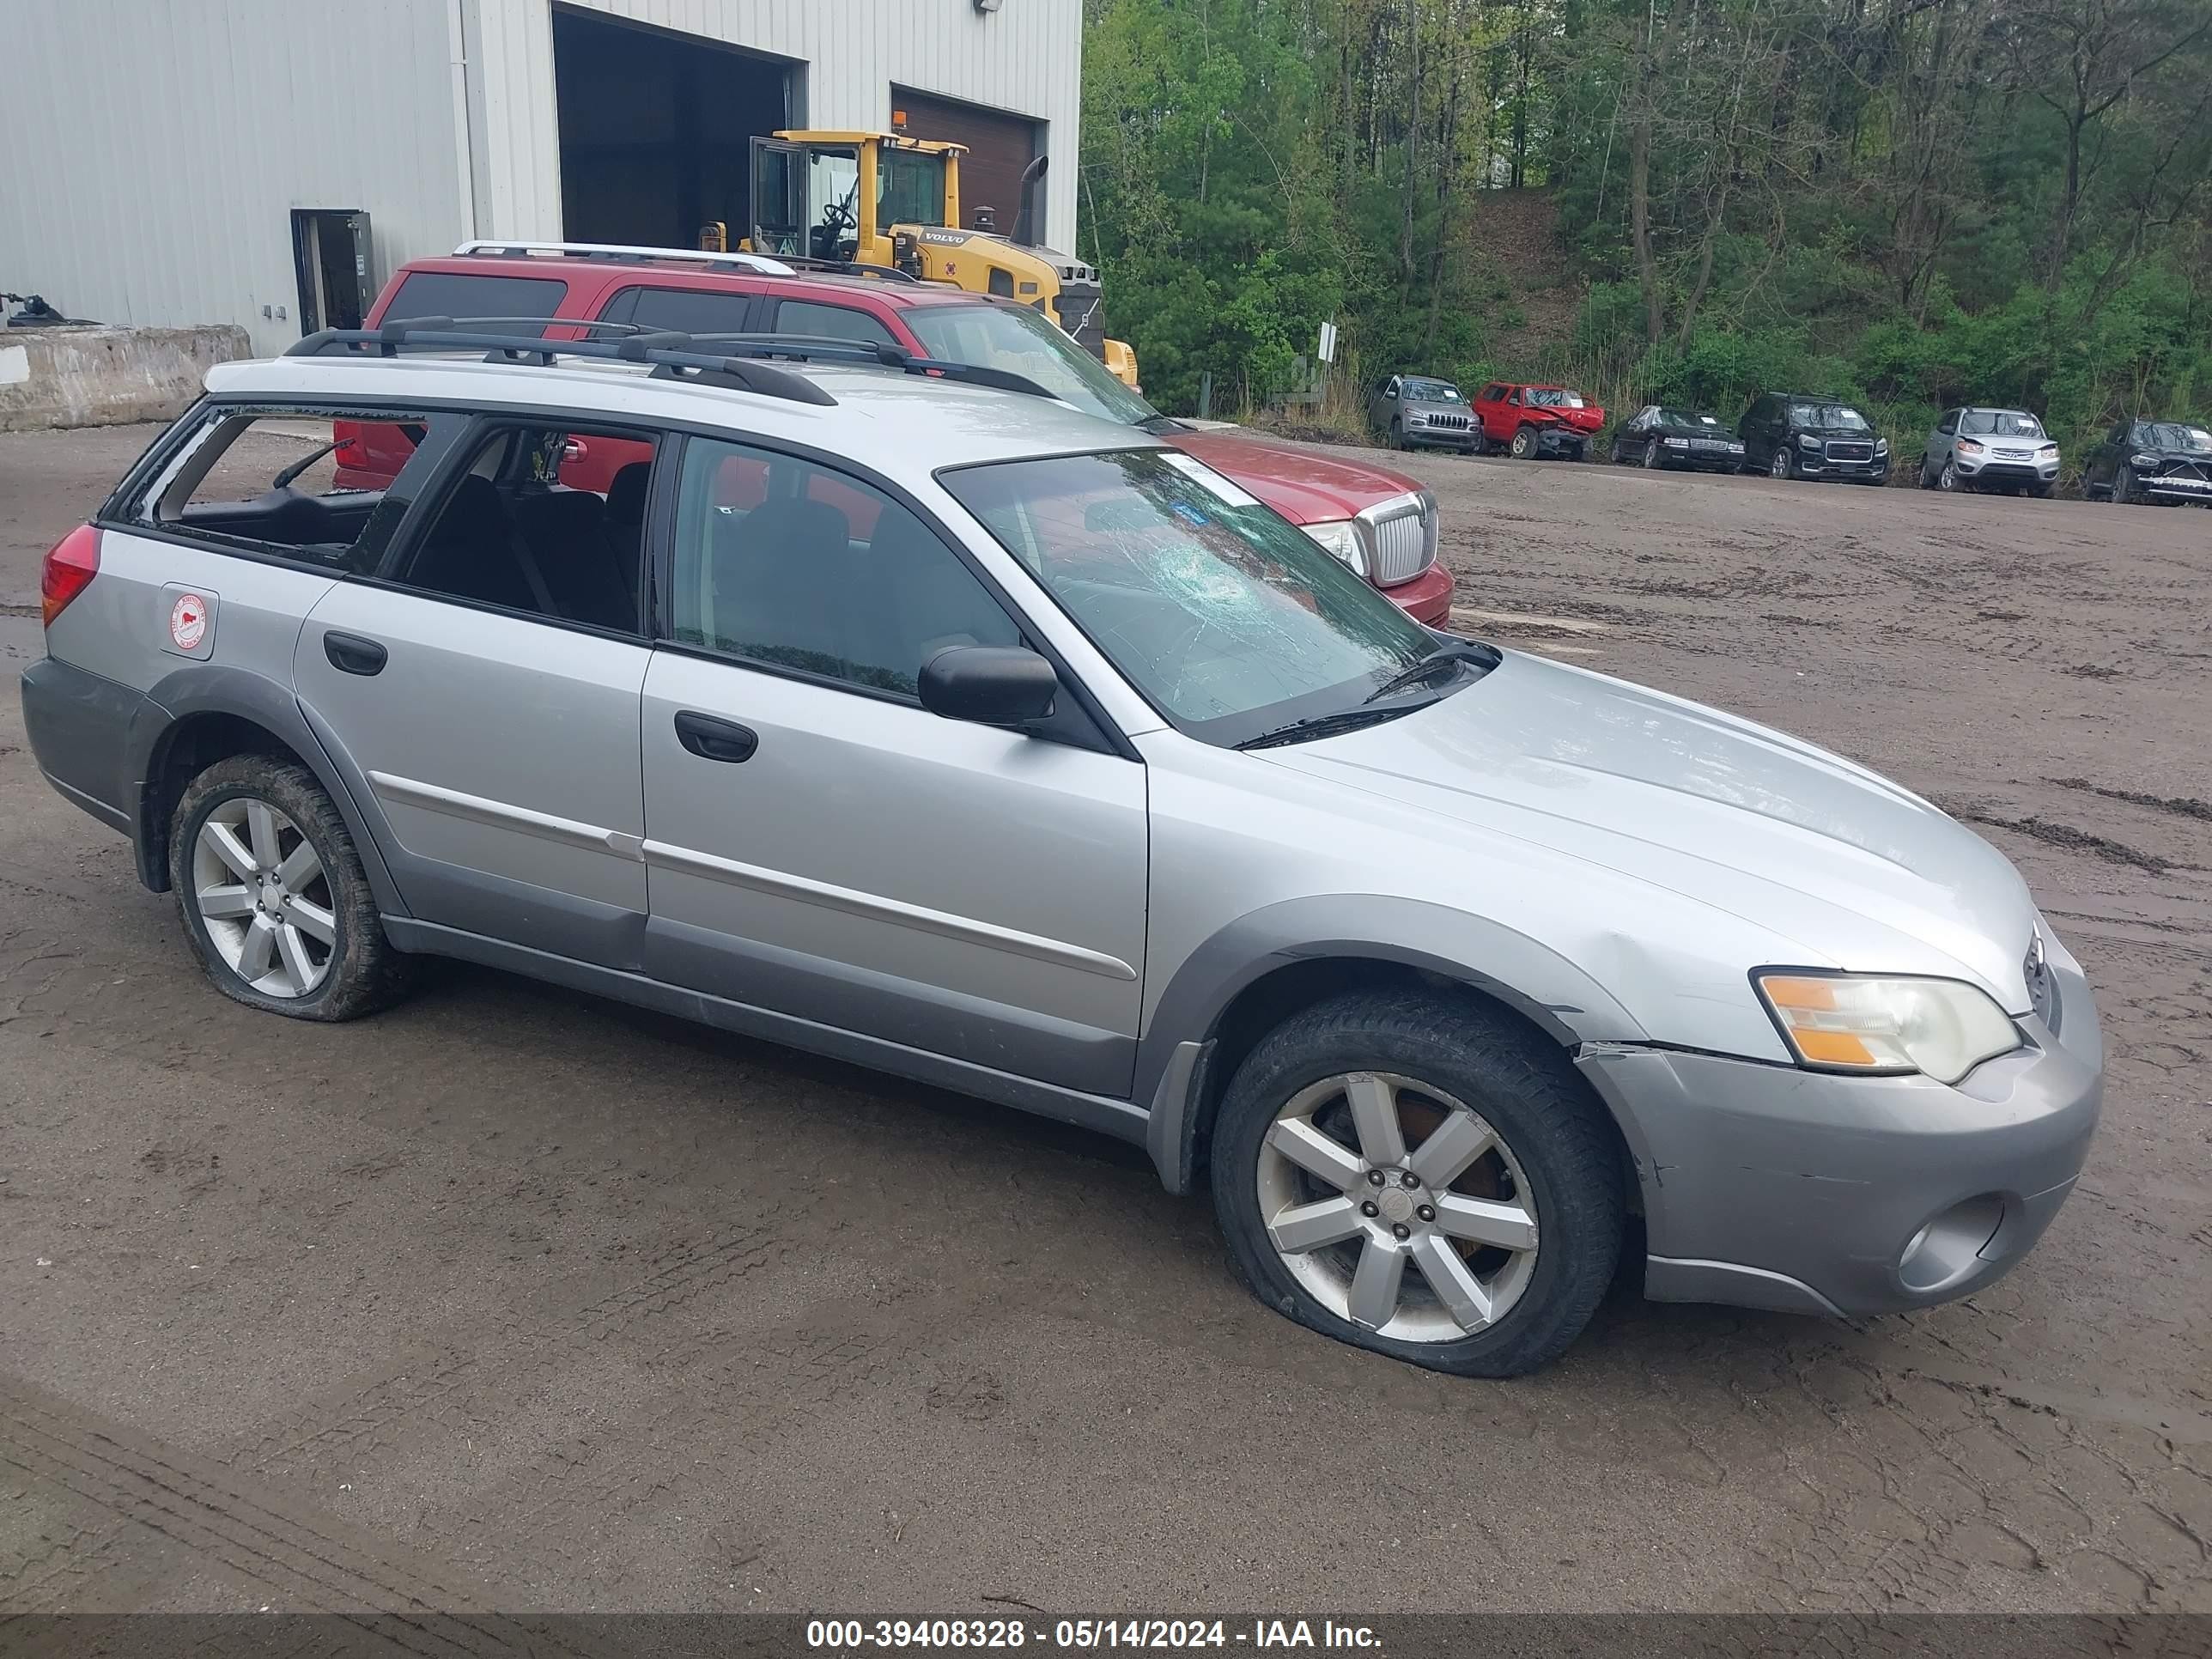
(999, 146)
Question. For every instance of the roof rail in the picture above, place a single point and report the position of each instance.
(833, 348)
(621, 253)
(665, 350)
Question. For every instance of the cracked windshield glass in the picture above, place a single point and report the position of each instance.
(1229, 620)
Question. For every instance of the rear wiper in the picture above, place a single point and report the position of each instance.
(1447, 655)
(1326, 725)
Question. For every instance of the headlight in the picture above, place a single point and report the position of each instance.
(1735, 448)
(2048, 452)
(1341, 537)
(1942, 1027)
(2143, 460)
(1676, 443)
(1807, 440)
(1882, 446)
(1968, 446)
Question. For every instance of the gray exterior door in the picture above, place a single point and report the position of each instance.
(501, 753)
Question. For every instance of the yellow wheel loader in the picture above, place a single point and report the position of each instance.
(882, 200)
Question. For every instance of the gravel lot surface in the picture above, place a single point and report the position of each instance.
(515, 1299)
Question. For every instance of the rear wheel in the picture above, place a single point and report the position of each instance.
(1419, 1178)
(1524, 443)
(273, 895)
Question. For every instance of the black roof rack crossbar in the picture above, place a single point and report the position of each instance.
(762, 378)
(829, 347)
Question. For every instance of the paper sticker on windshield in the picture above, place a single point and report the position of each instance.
(190, 621)
(1199, 473)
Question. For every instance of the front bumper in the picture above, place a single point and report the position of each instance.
(1770, 1187)
(1561, 443)
(1814, 463)
(2007, 472)
(1426, 597)
(2167, 487)
(1443, 437)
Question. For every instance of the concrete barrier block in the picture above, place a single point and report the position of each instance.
(62, 377)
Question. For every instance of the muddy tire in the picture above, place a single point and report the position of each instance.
(273, 895)
(1421, 1177)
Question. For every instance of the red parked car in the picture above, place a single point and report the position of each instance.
(1381, 523)
(1534, 420)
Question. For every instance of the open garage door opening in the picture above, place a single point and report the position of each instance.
(657, 131)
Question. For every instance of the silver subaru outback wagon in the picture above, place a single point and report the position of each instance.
(930, 724)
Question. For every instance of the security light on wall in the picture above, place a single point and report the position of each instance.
(988, 5)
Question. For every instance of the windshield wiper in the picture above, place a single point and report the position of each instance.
(1160, 425)
(1447, 655)
(1326, 725)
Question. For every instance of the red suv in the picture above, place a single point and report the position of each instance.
(1381, 523)
(1537, 420)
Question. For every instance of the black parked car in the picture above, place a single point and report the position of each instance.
(1657, 436)
(1799, 434)
(2169, 462)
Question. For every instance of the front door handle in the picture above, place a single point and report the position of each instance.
(716, 739)
(349, 654)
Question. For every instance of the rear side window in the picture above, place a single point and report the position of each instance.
(543, 520)
(450, 293)
(294, 483)
(686, 310)
(839, 322)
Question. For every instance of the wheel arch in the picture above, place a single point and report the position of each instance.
(1259, 970)
(198, 716)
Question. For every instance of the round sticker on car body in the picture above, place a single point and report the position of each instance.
(188, 622)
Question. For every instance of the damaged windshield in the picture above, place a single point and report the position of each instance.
(1232, 622)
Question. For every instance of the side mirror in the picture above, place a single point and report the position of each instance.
(989, 684)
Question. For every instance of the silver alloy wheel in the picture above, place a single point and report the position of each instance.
(1778, 467)
(1949, 477)
(1524, 443)
(1349, 1206)
(1652, 458)
(264, 895)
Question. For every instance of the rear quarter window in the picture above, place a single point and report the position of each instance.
(452, 294)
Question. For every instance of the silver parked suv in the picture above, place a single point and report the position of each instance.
(934, 725)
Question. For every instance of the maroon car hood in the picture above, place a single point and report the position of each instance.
(1303, 487)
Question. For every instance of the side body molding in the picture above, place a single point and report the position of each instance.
(1173, 1057)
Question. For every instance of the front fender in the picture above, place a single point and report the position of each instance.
(1527, 975)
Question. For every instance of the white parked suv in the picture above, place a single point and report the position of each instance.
(935, 725)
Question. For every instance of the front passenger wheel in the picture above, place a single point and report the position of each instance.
(274, 898)
(1419, 1176)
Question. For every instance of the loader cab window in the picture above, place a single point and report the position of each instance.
(910, 189)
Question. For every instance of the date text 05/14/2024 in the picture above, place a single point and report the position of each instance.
(854, 1635)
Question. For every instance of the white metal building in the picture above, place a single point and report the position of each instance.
(244, 161)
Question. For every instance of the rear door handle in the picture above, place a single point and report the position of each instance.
(716, 739)
(349, 654)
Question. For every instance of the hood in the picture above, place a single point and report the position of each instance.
(1774, 831)
(1304, 487)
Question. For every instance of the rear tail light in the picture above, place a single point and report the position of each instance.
(69, 570)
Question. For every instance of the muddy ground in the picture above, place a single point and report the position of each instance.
(510, 1299)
